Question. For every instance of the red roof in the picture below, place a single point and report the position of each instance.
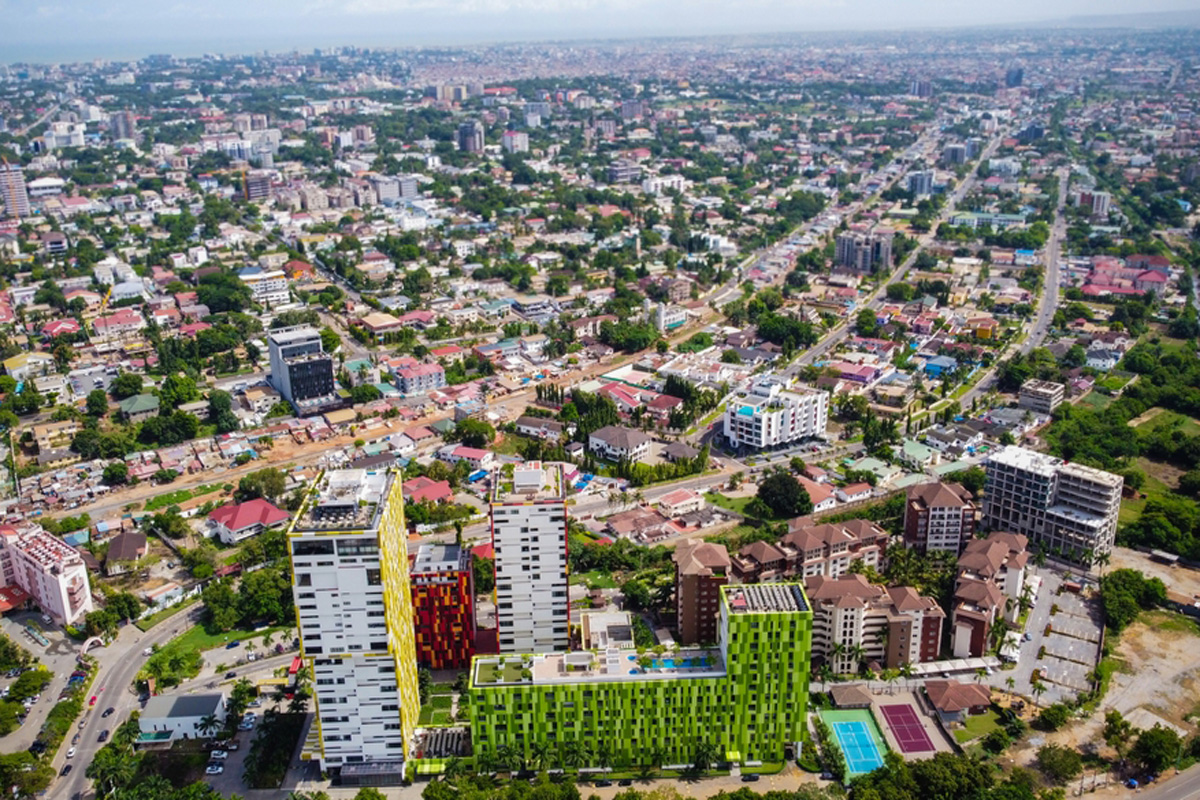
(12, 597)
(60, 326)
(239, 516)
(427, 490)
(484, 551)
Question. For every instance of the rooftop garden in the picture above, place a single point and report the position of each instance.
(510, 670)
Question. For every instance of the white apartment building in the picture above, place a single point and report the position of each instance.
(768, 414)
(529, 536)
(350, 578)
(1069, 509)
(48, 570)
(269, 287)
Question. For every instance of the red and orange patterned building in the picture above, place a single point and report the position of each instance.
(443, 588)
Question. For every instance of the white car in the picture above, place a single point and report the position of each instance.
(71, 753)
(246, 725)
(214, 769)
(218, 755)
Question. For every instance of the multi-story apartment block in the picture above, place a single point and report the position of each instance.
(624, 172)
(920, 183)
(443, 587)
(701, 569)
(856, 621)
(515, 142)
(301, 371)
(864, 250)
(1041, 397)
(747, 697)
(768, 415)
(809, 549)
(990, 582)
(1068, 509)
(419, 378)
(470, 137)
(529, 537)
(939, 517)
(46, 570)
(269, 287)
(13, 191)
(348, 547)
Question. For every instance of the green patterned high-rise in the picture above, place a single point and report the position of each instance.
(744, 700)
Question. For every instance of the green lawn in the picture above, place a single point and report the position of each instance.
(511, 446)
(199, 639)
(1131, 509)
(734, 504)
(976, 726)
(441, 701)
(152, 620)
(180, 496)
(594, 580)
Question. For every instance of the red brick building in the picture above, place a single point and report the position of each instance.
(443, 589)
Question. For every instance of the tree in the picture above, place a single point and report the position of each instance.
(269, 483)
(177, 390)
(473, 433)
(1156, 749)
(1059, 764)
(783, 494)
(127, 384)
(1124, 593)
(1118, 732)
(221, 605)
(1054, 717)
(97, 403)
(116, 474)
(637, 595)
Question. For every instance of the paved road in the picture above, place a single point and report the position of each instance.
(1048, 303)
(119, 663)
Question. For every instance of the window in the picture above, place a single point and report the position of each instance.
(303, 579)
(374, 577)
(306, 547)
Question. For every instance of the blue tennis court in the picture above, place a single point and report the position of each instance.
(854, 737)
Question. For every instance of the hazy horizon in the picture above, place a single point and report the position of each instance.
(70, 30)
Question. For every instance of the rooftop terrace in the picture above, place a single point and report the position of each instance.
(530, 482)
(610, 666)
(345, 499)
(765, 598)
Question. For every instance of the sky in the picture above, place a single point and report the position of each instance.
(58, 30)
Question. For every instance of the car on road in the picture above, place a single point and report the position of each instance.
(625, 782)
(230, 675)
(103, 736)
(749, 778)
(71, 753)
(602, 783)
(92, 702)
(246, 725)
(214, 769)
(232, 645)
(66, 770)
(218, 755)
(108, 711)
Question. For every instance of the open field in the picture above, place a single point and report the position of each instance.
(1160, 479)
(1159, 418)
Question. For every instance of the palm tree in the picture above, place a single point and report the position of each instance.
(572, 755)
(839, 651)
(1038, 687)
(453, 768)
(858, 654)
(267, 640)
(112, 770)
(603, 755)
(507, 758)
(1010, 683)
(703, 756)
(208, 724)
(539, 752)
(1102, 561)
(979, 673)
(485, 762)
(907, 672)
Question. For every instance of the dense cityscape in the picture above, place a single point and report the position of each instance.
(621, 419)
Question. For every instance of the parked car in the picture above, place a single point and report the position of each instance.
(625, 782)
(214, 769)
(231, 645)
(749, 778)
(92, 702)
(71, 753)
(218, 755)
(602, 783)
(230, 675)
(66, 770)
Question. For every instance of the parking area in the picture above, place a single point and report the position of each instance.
(1069, 651)
(58, 657)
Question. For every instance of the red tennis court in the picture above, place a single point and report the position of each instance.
(907, 728)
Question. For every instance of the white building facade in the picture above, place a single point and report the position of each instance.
(49, 570)
(529, 537)
(769, 415)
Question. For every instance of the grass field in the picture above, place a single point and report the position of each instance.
(152, 620)
(1159, 479)
(199, 639)
(1170, 420)
(594, 580)
(734, 504)
(1096, 401)
(181, 496)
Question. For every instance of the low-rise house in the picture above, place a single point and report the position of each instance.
(680, 502)
(426, 490)
(954, 701)
(168, 718)
(237, 522)
(615, 442)
(124, 550)
(540, 428)
(139, 407)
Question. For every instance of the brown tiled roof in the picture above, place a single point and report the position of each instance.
(951, 696)
(700, 558)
